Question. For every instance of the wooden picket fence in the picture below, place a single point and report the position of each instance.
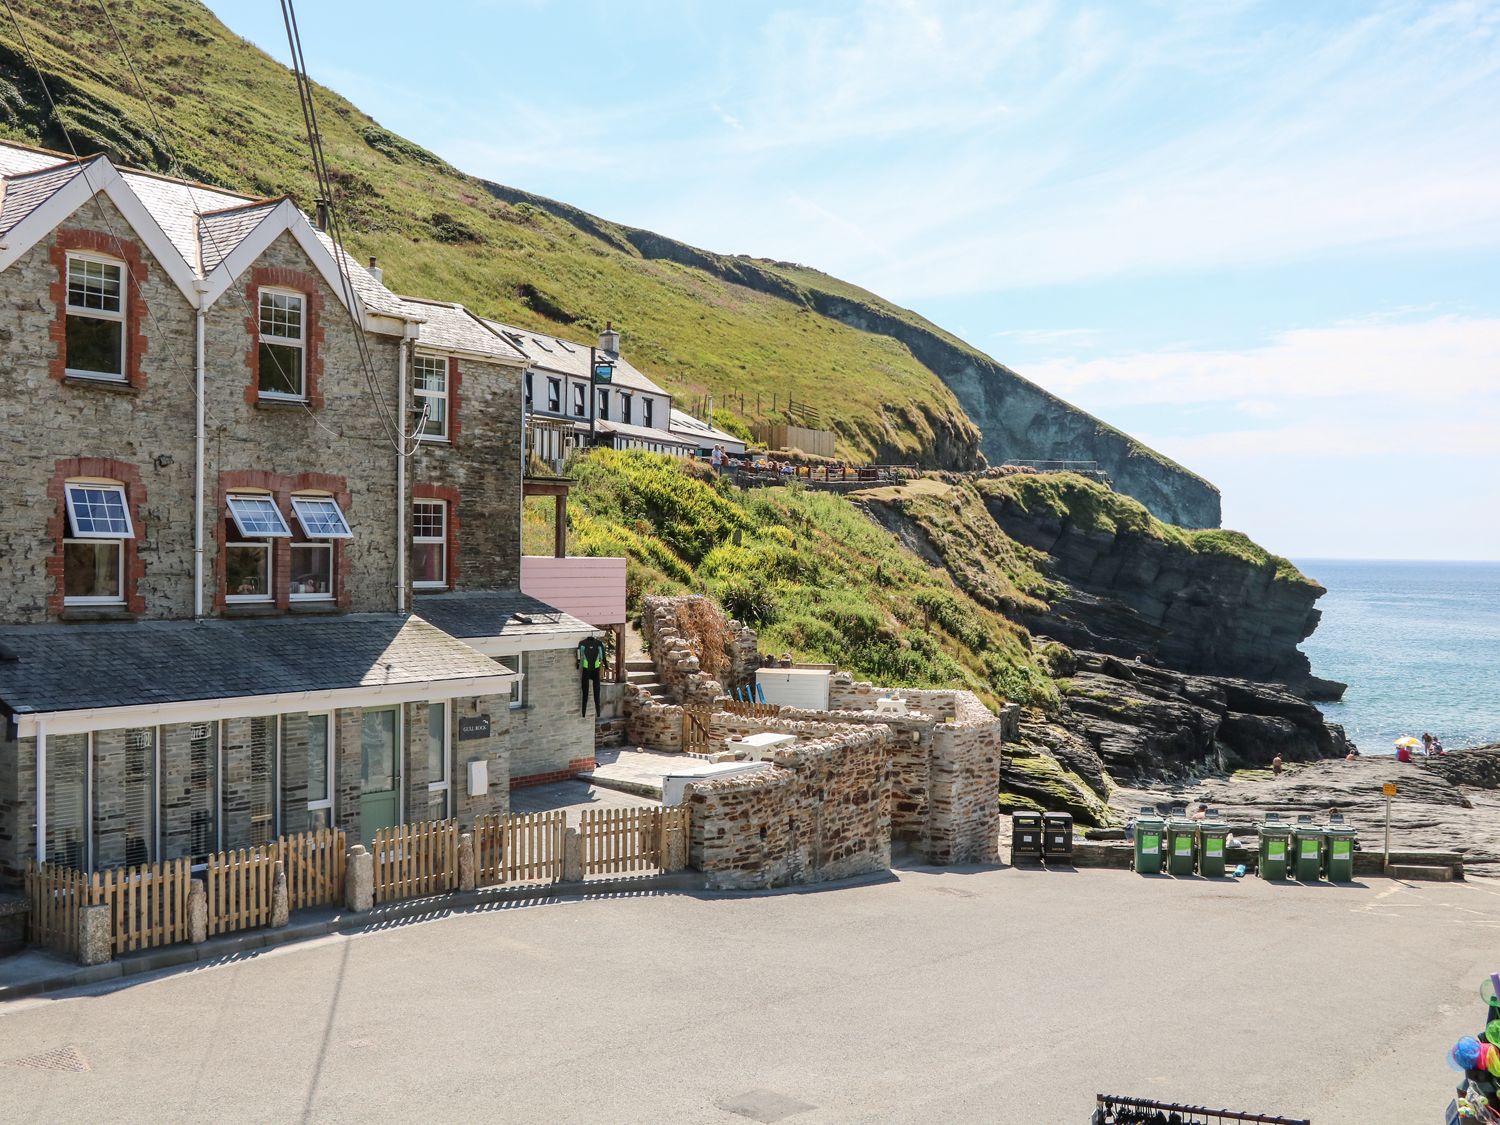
(239, 886)
(148, 904)
(695, 731)
(55, 894)
(314, 867)
(415, 859)
(624, 840)
(519, 849)
(752, 710)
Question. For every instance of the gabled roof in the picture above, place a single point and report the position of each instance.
(685, 425)
(199, 234)
(564, 357)
(447, 326)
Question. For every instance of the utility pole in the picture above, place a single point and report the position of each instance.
(593, 398)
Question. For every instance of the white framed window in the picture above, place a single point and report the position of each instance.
(98, 523)
(625, 407)
(254, 522)
(322, 521)
(282, 344)
(516, 663)
(320, 517)
(320, 770)
(95, 318)
(603, 404)
(429, 535)
(580, 400)
(430, 391)
(554, 396)
(648, 407)
(439, 775)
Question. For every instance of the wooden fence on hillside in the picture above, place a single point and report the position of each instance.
(415, 859)
(519, 849)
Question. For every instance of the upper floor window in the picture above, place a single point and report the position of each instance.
(604, 404)
(580, 402)
(625, 405)
(322, 522)
(431, 391)
(283, 344)
(254, 522)
(95, 330)
(554, 396)
(648, 407)
(528, 390)
(94, 548)
(429, 534)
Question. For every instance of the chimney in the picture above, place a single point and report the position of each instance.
(609, 340)
(320, 219)
(376, 272)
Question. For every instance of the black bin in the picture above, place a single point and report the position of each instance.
(1025, 836)
(1057, 835)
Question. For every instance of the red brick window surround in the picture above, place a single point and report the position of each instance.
(312, 335)
(422, 515)
(132, 260)
(132, 565)
(281, 487)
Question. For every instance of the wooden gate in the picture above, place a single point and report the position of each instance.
(314, 867)
(519, 849)
(147, 904)
(695, 730)
(625, 840)
(239, 885)
(415, 859)
(55, 894)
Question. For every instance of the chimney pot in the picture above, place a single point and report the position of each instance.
(609, 339)
(321, 218)
(375, 271)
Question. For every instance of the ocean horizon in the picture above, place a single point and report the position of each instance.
(1418, 643)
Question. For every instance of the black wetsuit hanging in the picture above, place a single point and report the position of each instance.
(590, 663)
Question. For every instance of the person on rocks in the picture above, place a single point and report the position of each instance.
(1426, 743)
(1276, 766)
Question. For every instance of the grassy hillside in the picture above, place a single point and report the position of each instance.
(811, 571)
(229, 116)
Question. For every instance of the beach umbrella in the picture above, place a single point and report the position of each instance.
(1408, 741)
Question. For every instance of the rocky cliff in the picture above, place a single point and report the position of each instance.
(1204, 602)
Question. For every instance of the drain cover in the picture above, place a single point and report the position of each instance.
(59, 1058)
(764, 1105)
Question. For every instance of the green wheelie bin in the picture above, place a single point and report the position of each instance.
(1149, 829)
(1338, 860)
(1182, 845)
(1307, 852)
(1274, 839)
(1212, 838)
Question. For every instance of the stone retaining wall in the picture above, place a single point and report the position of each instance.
(677, 665)
(652, 725)
(820, 812)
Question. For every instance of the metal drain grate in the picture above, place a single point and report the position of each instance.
(59, 1058)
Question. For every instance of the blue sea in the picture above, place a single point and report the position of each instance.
(1418, 643)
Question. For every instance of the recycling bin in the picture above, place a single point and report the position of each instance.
(1213, 835)
(1307, 853)
(1057, 835)
(1338, 861)
(1148, 843)
(1025, 836)
(1182, 846)
(1274, 841)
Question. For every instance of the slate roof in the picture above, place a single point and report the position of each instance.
(564, 357)
(219, 232)
(496, 613)
(697, 430)
(451, 326)
(645, 433)
(26, 192)
(80, 667)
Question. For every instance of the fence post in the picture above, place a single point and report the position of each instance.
(466, 873)
(197, 912)
(359, 879)
(281, 912)
(96, 936)
(572, 857)
(672, 845)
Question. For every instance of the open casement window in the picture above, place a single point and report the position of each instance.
(282, 344)
(430, 396)
(625, 408)
(580, 400)
(439, 776)
(603, 404)
(320, 771)
(648, 408)
(254, 522)
(429, 552)
(95, 329)
(554, 396)
(321, 521)
(94, 546)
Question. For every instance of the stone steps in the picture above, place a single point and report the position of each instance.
(1417, 873)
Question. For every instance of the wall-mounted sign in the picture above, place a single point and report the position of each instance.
(604, 372)
(473, 726)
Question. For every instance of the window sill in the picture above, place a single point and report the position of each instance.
(427, 440)
(251, 609)
(429, 589)
(315, 607)
(98, 613)
(282, 404)
(109, 386)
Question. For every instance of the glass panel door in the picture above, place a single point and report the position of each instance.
(379, 781)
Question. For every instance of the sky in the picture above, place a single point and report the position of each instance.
(1261, 237)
